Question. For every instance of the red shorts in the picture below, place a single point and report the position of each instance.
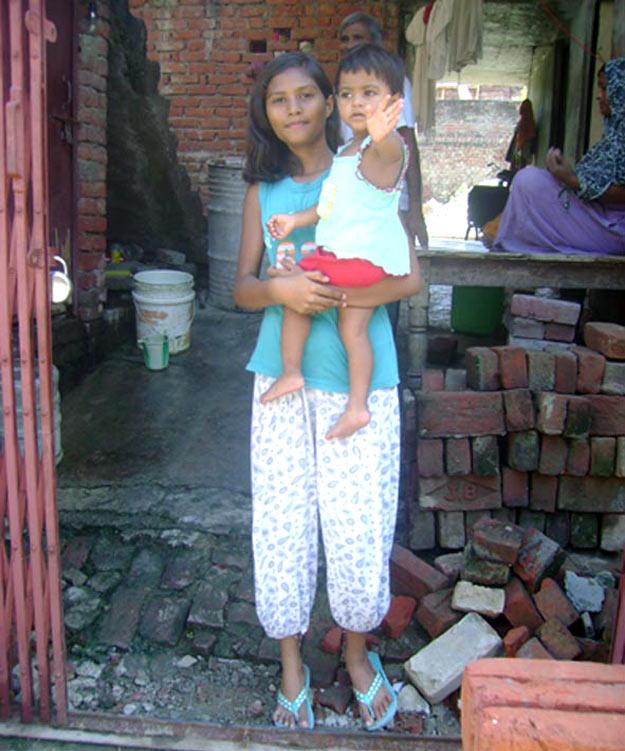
(343, 272)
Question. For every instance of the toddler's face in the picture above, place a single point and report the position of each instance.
(359, 94)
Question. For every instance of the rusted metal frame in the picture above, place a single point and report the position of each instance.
(9, 457)
(618, 633)
(15, 148)
(158, 731)
(54, 604)
(36, 262)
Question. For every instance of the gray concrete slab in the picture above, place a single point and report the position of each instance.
(163, 446)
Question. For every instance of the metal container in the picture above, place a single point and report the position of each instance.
(225, 208)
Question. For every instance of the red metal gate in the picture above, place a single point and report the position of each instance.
(31, 620)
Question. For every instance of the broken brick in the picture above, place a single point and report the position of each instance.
(398, 616)
(495, 540)
(519, 608)
(538, 558)
(553, 603)
(558, 640)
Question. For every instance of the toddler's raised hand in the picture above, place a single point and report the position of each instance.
(382, 121)
(281, 225)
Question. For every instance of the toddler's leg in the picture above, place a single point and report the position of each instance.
(295, 330)
(354, 332)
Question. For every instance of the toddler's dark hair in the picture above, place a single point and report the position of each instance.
(268, 159)
(374, 60)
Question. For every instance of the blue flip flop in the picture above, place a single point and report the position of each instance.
(367, 699)
(294, 706)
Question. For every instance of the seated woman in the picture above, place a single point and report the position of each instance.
(581, 210)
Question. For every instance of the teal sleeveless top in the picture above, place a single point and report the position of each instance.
(360, 220)
(325, 362)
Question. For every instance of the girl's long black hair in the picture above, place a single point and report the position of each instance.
(267, 158)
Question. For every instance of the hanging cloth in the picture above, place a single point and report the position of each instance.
(423, 88)
(465, 34)
(437, 37)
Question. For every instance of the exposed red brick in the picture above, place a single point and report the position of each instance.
(590, 367)
(515, 639)
(551, 413)
(412, 576)
(457, 456)
(553, 603)
(602, 456)
(466, 493)
(435, 613)
(578, 417)
(533, 650)
(512, 367)
(559, 332)
(558, 640)
(544, 492)
(608, 415)
(538, 558)
(430, 457)
(518, 409)
(398, 616)
(606, 338)
(432, 380)
(578, 459)
(496, 540)
(545, 309)
(482, 366)
(565, 372)
(553, 453)
(514, 488)
(519, 608)
(601, 495)
(460, 413)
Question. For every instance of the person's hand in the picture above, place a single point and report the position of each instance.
(307, 292)
(281, 225)
(415, 225)
(561, 168)
(382, 120)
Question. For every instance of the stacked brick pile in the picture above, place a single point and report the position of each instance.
(507, 593)
(541, 323)
(536, 438)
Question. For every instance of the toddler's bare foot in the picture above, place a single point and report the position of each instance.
(286, 384)
(348, 423)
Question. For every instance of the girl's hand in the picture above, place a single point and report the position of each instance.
(382, 120)
(561, 168)
(307, 292)
(281, 226)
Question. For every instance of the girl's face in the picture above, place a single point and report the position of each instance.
(296, 108)
(602, 95)
(359, 94)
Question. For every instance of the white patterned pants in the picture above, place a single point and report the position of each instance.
(351, 485)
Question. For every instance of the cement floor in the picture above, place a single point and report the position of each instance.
(143, 446)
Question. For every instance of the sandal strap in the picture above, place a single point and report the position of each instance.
(293, 706)
(367, 698)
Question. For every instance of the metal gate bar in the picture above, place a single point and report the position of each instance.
(30, 593)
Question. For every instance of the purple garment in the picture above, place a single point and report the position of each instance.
(540, 217)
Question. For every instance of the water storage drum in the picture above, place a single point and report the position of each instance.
(226, 191)
(165, 304)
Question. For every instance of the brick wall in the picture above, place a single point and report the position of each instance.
(468, 136)
(204, 52)
(92, 67)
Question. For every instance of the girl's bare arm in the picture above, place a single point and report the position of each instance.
(304, 292)
(388, 290)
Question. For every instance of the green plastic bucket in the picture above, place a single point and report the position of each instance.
(476, 310)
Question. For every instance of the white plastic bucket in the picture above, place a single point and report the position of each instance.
(155, 351)
(171, 316)
(163, 283)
